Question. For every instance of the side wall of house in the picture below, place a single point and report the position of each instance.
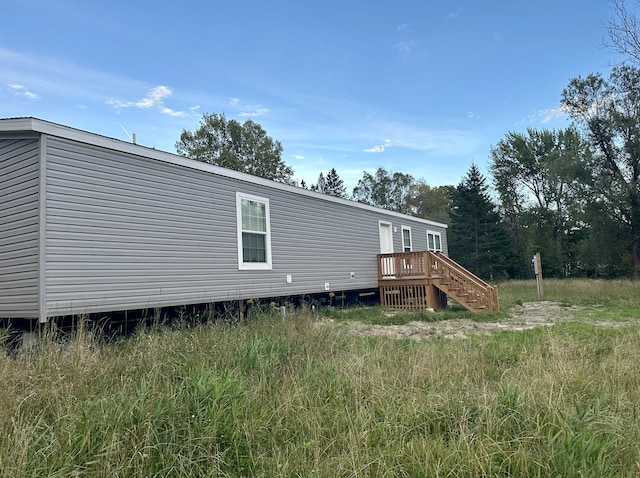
(127, 232)
(19, 209)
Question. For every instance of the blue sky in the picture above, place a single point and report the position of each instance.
(418, 87)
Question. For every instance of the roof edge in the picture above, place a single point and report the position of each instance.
(32, 124)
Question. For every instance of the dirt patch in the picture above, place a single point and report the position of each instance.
(526, 316)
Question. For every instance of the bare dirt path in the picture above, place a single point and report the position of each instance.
(526, 316)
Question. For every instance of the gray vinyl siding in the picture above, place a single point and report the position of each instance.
(19, 209)
(126, 231)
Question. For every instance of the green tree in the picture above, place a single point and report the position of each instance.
(604, 252)
(394, 192)
(319, 186)
(331, 184)
(242, 147)
(431, 203)
(539, 177)
(477, 238)
(334, 184)
(609, 112)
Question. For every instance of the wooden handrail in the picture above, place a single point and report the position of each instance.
(442, 272)
(460, 270)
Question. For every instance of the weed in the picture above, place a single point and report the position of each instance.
(298, 398)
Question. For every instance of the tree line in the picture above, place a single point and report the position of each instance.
(571, 194)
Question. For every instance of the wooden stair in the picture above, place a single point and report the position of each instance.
(463, 286)
(420, 280)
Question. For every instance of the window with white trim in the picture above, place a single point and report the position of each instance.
(254, 232)
(434, 241)
(406, 239)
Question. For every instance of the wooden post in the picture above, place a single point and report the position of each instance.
(537, 268)
(426, 258)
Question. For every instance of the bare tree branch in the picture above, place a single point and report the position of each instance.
(624, 31)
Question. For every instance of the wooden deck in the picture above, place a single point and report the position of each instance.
(424, 279)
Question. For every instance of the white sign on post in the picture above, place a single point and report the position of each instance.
(537, 269)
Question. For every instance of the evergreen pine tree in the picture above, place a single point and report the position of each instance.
(331, 184)
(334, 185)
(477, 238)
(320, 185)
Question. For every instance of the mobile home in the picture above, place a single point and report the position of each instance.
(93, 224)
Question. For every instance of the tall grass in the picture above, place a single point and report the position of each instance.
(283, 399)
(572, 291)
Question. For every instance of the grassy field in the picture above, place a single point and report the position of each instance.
(287, 399)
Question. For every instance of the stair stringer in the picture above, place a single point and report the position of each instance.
(465, 287)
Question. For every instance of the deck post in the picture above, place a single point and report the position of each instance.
(430, 292)
(428, 266)
(436, 299)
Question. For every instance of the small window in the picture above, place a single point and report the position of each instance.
(434, 241)
(254, 232)
(406, 239)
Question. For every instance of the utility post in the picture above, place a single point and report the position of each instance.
(537, 269)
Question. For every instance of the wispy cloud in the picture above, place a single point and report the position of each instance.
(405, 47)
(22, 92)
(551, 114)
(440, 142)
(298, 156)
(247, 110)
(154, 99)
(379, 148)
(253, 112)
(545, 116)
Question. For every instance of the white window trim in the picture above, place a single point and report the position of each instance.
(434, 234)
(267, 242)
(404, 246)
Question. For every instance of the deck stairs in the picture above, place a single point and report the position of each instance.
(424, 280)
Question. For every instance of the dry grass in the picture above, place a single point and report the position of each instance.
(291, 399)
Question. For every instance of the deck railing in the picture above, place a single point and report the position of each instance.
(403, 265)
(443, 273)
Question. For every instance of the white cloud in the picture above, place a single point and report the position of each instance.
(253, 112)
(379, 148)
(154, 99)
(545, 116)
(551, 114)
(298, 156)
(406, 46)
(247, 111)
(22, 92)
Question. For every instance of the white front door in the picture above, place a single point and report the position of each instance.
(386, 238)
(386, 247)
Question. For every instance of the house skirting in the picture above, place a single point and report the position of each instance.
(412, 295)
